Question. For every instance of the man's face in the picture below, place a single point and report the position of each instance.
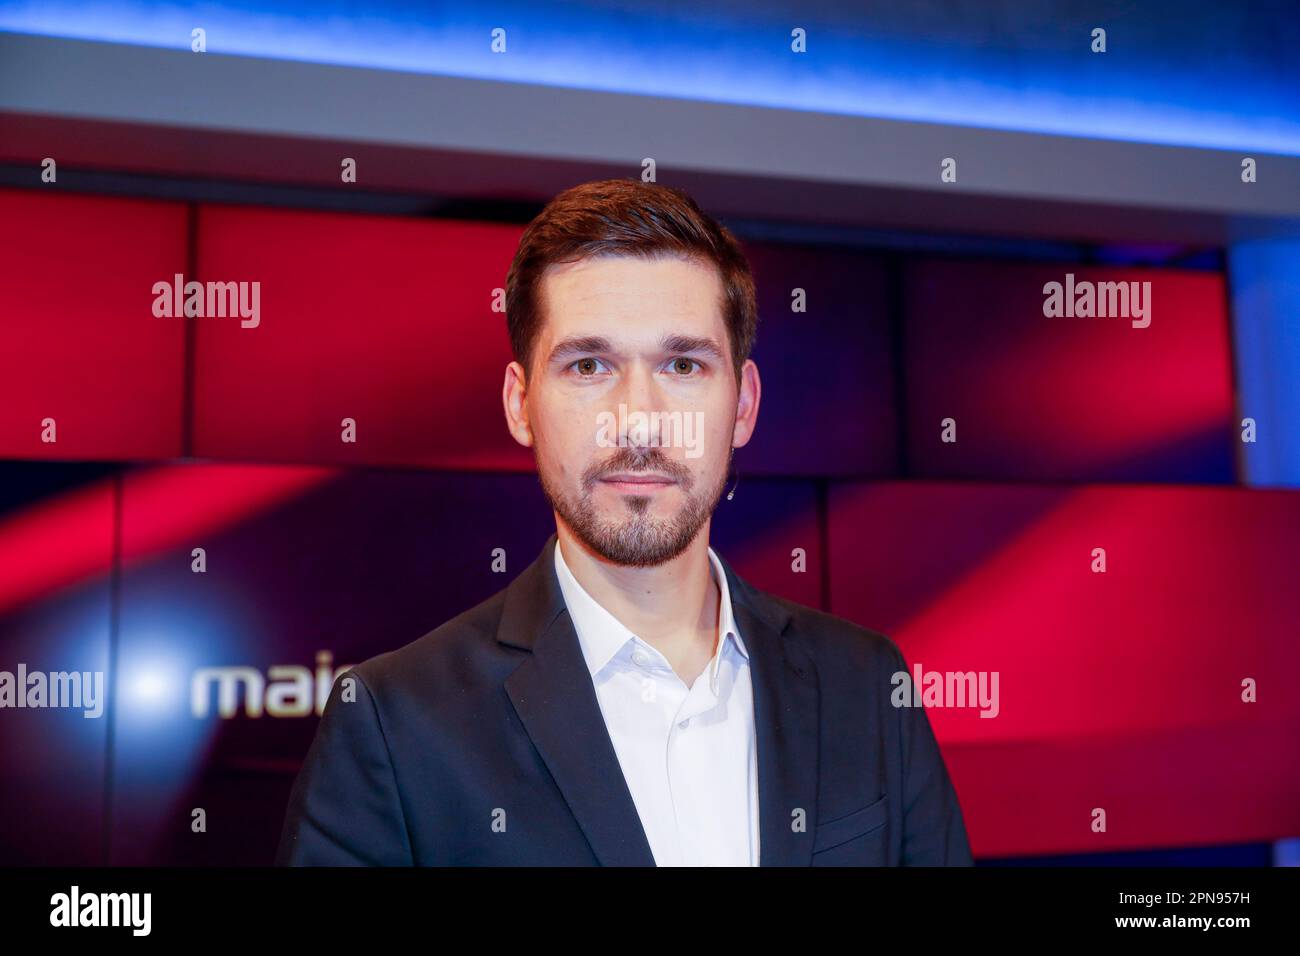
(631, 404)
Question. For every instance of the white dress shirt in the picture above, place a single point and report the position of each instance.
(688, 753)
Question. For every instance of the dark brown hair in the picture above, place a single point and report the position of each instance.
(625, 217)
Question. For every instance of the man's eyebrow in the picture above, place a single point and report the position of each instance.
(579, 345)
(691, 343)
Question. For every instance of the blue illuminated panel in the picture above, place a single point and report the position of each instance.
(1193, 74)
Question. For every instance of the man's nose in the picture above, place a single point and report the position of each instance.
(639, 393)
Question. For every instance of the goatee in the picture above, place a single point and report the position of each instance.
(638, 541)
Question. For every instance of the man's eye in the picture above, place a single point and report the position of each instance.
(587, 366)
(685, 366)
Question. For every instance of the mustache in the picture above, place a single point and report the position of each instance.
(632, 459)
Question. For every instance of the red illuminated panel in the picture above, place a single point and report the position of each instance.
(385, 321)
(56, 544)
(1066, 397)
(1119, 690)
(78, 336)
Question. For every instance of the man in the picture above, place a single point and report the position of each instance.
(628, 699)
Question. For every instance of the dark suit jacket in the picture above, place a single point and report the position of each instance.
(482, 743)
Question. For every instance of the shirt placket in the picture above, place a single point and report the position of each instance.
(683, 765)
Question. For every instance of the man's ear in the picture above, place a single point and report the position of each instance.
(514, 398)
(751, 391)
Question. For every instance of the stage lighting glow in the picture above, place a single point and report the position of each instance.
(151, 689)
(153, 681)
(1189, 75)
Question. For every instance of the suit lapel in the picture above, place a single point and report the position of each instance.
(554, 697)
(786, 704)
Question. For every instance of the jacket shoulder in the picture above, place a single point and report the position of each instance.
(452, 652)
(837, 641)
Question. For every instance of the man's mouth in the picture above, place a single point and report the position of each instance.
(639, 482)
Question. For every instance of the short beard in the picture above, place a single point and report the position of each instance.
(640, 541)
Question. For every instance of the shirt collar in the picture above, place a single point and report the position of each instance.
(602, 635)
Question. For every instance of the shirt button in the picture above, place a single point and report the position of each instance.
(640, 658)
(683, 724)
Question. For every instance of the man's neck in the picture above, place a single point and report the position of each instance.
(673, 606)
